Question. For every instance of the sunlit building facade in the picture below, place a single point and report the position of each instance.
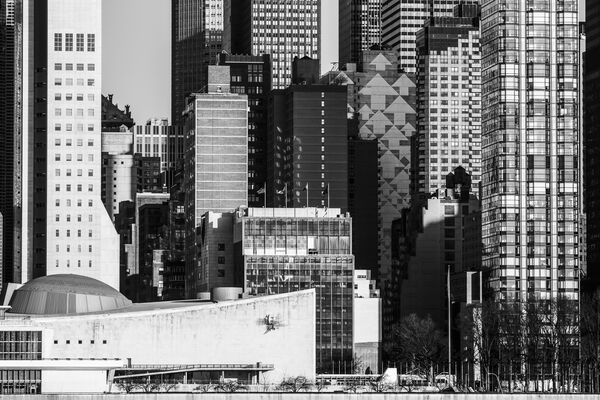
(530, 124)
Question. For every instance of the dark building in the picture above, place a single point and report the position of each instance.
(592, 140)
(113, 118)
(149, 177)
(124, 221)
(362, 198)
(359, 28)
(282, 28)
(197, 31)
(305, 71)
(174, 268)
(152, 225)
(7, 135)
(308, 147)
(251, 75)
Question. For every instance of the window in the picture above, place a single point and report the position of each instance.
(91, 67)
(69, 43)
(221, 273)
(79, 43)
(58, 67)
(57, 96)
(221, 246)
(91, 42)
(58, 42)
(221, 260)
(91, 82)
(79, 67)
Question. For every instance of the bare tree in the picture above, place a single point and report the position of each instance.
(418, 342)
(294, 384)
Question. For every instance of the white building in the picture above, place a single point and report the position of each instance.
(84, 337)
(80, 235)
(366, 322)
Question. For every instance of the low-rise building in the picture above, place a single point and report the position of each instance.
(72, 334)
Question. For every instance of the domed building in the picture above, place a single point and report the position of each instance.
(75, 334)
(66, 294)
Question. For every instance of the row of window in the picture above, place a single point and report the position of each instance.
(69, 81)
(79, 203)
(79, 42)
(78, 186)
(68, 341)
(68, 112)
(78, 67)
(69, 127)
(69, 96)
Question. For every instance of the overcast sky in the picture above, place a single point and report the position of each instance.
(137, 53)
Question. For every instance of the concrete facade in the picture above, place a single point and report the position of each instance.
(231, 332)
(81, 237)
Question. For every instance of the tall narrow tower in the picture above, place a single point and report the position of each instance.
(530, 124)
(65, 228)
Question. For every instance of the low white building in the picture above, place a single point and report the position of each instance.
(68, 333)
(366, 322)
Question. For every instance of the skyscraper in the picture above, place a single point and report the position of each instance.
(359, 28)
(7, 134)
(400, 21)
(282, 28)
(216, 159)
(530, 135)
(81, 237)
(59, 131)
(308, 147)
(448, 100)
(592, 139)
(197, 32)
(251, 75)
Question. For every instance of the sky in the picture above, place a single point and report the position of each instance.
(137, 53)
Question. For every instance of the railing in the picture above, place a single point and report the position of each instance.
(163, 367)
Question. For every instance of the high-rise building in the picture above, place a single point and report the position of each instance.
(7, 135)
(308, 147)
(197, 32)
(159, 139)
(81, 236)
(592, 139)
(382, 102)
(251, 75)
(531, 157)
(282, 28)
(448, 101)
(359, 28)
(64, 226)
(286, 250)
(402, 19)
(216, 159)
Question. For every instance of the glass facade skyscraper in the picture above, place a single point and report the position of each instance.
(285, 250)
(530, 123)
(197, 34)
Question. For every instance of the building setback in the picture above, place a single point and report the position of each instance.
(359, 28)
(448, 101)
(81, 236)
(282, 28)
(308, 147)
(251, 75)
(286, 250)
(530, 133)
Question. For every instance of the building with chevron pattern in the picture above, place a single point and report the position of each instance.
(382, 100)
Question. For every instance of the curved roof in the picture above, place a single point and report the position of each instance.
(66, 294)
